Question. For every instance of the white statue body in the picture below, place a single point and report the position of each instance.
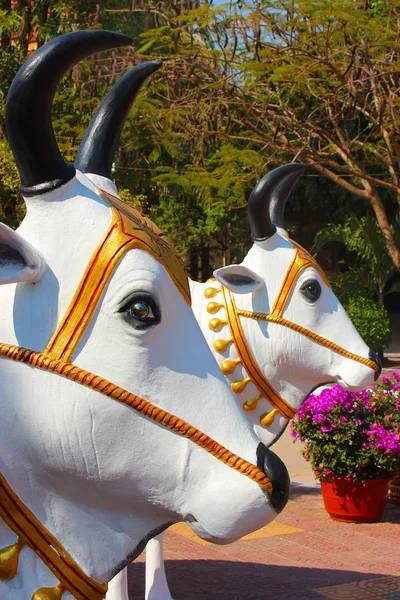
(98, 476)
(291, 361)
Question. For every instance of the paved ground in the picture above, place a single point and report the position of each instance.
(303, 555)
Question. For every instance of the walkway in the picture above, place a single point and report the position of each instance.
(303, 555)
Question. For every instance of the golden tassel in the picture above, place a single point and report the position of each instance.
(251, 403)
(216, 324)
(221, 345)
(214, 307)
(239, 386)
(228, 366)
(211, 292)
(267, 419)
(47, 593)
(9, 558)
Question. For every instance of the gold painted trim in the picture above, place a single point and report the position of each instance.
(310, 334)
(125, 232)
(248, 361)
(144, 407)
(32, 533)
(302, 260)
(128, 229)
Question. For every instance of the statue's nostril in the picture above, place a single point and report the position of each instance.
(373, 356)
(270, 464)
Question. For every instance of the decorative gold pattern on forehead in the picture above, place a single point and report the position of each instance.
(153, 240)
(302, 260)
(128, 230)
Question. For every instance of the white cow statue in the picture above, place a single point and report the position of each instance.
(276, 328)
(99, 350)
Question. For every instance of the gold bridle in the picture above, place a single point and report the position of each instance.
(128, 230)
(301, 261)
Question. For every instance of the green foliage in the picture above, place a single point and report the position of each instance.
(12, 208)
(353, 435)
(245, 87)
(373, 266)
(371, 320)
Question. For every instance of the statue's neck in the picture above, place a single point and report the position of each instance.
(99, 542)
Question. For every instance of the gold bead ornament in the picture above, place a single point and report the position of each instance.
(9, 559)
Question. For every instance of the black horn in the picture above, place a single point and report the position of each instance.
(258, 207)
(29, 103)
(281, 195)
(98, 147)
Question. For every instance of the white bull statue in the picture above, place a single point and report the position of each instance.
(99, 350)
(276, 328)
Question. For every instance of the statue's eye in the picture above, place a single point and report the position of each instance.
(311, 290)
(141, 310)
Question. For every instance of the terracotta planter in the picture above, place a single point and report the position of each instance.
(348, 501)
(394, 486)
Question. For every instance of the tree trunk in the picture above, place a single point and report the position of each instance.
(370, 194)
(194, 264)
(384, 224)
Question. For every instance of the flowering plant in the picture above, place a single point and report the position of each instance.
(351, 434)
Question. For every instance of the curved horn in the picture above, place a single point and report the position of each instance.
(29, 103)
(281, 195)
(261, 225)
(98, 147)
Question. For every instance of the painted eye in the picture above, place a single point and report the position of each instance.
(140, 310)
(311, 290)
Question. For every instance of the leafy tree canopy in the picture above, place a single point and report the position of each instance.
(245, 87)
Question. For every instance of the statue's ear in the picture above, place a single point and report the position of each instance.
(19, 261)
(238, 278)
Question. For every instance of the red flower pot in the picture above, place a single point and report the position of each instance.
(346, 500)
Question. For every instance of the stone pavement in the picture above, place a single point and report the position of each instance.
(303, 555)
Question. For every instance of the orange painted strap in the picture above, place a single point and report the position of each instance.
(147, 409)
(248, 360)
(302, 260)
(125, 233)
(24, 523)
(310, 334)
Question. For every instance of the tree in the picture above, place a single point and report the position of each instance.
(310, 81)
(245, 87)
(24, 26)
(372, 273)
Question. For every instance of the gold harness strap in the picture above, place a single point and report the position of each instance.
(301, 261)
(128, 229)
(32, 533)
